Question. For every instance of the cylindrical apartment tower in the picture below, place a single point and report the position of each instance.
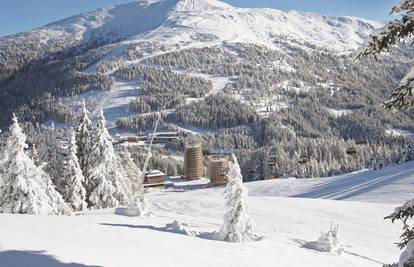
(219, 168)
(193, 161)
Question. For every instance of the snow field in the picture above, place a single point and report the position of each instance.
(286, 224)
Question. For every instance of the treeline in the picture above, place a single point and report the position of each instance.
(150, 103)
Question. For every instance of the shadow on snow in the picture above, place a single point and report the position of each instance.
(17, 258)
(341, 189)
(174, 228)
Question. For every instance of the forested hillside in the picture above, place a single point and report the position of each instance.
(286, 104)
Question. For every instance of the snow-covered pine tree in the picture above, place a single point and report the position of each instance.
(73, 192)
(52, 158)
(3, 158)
(238, 226)
(84, 143)
(109, 187)
(26, 187)
(35, 156)
(386, 37)
(130, 168)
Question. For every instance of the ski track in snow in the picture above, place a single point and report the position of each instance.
(115, 102)
(394, 184)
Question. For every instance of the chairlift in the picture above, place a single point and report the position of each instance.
(361, 142)
(351, 150)
(303, 160)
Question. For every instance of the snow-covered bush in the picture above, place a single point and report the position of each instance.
(329, 241)
(238, 226)
(25, 187)
(138, 206)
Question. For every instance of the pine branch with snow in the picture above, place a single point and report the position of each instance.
(404, 214)
(385, 38)
(26, 188)
(407, 257)
(238, 225)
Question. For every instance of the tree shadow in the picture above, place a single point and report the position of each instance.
(20, 258)
(174, 228)
(178, 228)
(314, 246)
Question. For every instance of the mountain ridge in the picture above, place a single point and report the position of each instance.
(169, 20)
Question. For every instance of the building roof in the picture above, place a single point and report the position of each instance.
(154, 173)
(221, 152)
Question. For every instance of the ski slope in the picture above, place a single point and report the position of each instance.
(391, 185)
(180, 232)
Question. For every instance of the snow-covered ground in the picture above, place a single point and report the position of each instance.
(391, 185)
(287, 226)
(115, 102)
(339, 112)
(400, 132)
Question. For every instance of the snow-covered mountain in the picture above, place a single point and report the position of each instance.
(256, 75)
(175, 21)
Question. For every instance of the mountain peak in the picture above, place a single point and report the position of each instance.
(197, 5)
(172, 21)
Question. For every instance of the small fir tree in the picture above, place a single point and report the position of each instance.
(84, 143)
(238, 226)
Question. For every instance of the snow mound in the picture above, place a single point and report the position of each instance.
(181, 228)
(286, 224)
